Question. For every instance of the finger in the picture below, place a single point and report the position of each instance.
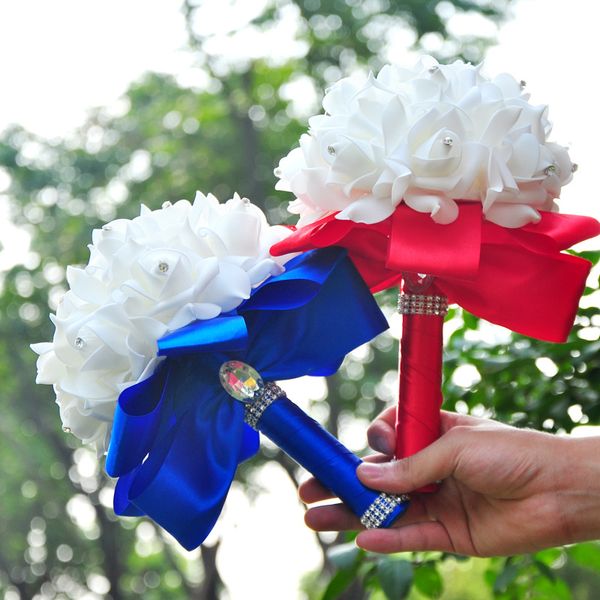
(450, 420)
(333, 517)
(431, 464)
(416, 537)
(312, 490)
(338, 517)
(381, 433)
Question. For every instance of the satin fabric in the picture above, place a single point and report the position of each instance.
(517, 278)
(333, 464)
(420, 395)
(177, 437)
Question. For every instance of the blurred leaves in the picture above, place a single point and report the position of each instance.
(428, 581)
(395, 576)
(344, 556)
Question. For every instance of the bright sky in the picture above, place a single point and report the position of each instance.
(62, 57)
(59, 58)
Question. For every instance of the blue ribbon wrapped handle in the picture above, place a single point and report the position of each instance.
(270, 411)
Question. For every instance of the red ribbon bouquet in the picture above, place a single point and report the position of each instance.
(441, 181)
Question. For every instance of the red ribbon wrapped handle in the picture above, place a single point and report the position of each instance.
(420, 396)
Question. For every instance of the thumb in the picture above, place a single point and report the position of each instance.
(434, 463)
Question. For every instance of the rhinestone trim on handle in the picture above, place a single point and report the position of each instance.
(417, 304)
(383, 506)
(263, 398)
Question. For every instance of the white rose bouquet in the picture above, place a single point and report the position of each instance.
(145, 278)
(162, 344)
(426, 136)
(472, 153)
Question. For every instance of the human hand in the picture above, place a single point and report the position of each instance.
(504, 490)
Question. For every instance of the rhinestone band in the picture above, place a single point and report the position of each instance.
(381, 508)
(417, 304)
(263, 398)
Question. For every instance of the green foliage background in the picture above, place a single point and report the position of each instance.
(228, 136)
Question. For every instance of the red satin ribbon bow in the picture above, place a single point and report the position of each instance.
(518, 278)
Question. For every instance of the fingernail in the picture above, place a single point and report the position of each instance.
(381, 444)
(370, 470)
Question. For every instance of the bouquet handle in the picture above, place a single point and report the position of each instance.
(423, 309)
(268, 410)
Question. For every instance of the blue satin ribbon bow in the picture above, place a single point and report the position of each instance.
(178, 437)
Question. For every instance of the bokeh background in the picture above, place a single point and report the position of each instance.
(107, 104)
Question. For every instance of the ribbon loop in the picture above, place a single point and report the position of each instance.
(216, 335)
(452, 250)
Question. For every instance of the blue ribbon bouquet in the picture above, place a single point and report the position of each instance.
(178, 437)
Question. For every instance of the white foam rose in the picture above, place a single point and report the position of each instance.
(146, 277)
(426, 136)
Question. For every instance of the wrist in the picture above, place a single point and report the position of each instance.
(579, 487)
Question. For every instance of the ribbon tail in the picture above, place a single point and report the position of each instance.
(565, 230)
(136, 421)
(121, 503)
(533, 294)
(184, 482)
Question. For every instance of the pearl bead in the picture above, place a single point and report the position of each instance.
(79, 343)
(447, 141)
(433, 69)
(66, 429)
(574, 167)
(550, 169)
(331, 150)
(167, 204)
(522, 83)
(162, 266)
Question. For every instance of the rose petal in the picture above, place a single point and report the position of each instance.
(442, 210)
(512, 215)
(192, 312)
(368, 209)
